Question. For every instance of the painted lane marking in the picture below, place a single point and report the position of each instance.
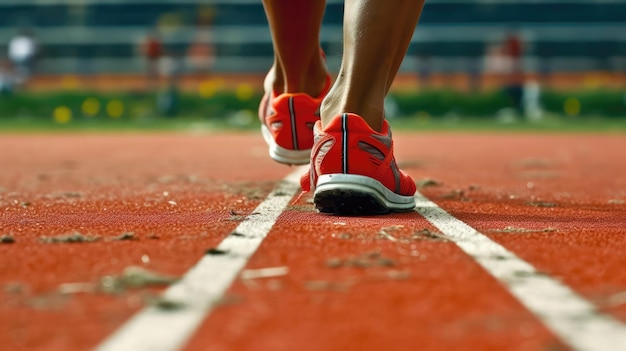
(576, 321)
(158, 329)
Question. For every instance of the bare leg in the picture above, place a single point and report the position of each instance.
(377, 34)
(298, 65)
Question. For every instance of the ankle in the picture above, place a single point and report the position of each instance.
(311, 81)
(274, 81)
(315, 82)
(342, 100)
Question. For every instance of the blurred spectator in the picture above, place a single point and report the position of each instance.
(152, 50)
(170, 68)
(22, 50)
(201, 52)
(6, 77)
(496, 62)
(200, 55)
(503, 60)
(514, 49)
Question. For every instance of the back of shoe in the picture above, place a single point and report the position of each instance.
(353, 169)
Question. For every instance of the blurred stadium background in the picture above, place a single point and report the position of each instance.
(563, 56)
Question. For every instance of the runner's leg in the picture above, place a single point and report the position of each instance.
(298, 64)
(376, 37)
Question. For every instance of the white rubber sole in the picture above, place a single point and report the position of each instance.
(282, 155)
(351, 194)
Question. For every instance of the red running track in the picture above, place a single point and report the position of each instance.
(556, 201)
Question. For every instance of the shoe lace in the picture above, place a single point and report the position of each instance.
(305, 184)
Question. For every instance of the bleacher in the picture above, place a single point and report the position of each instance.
(95, 36)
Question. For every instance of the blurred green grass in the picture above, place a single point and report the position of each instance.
(74, 111)
(247, 122)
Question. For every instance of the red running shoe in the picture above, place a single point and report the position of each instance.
(287, 122)
(353, 170)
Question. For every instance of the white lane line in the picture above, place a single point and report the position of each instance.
(158, 329)
(576, 321)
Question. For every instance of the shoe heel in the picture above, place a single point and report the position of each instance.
(350, 194)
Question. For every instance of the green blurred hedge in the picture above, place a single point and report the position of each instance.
(609, 103)
(43, 105)
(435, 103)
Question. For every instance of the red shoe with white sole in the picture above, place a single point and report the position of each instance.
(287, 122)
(353, 170)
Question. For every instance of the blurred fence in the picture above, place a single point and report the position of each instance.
(454, 36)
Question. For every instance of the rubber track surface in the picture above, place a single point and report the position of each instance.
(384, 282)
